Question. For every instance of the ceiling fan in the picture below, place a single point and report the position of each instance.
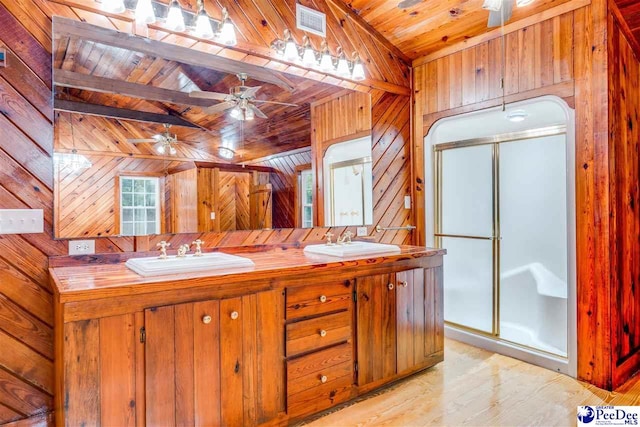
(166, 141)
(500, 11)
(240, 100)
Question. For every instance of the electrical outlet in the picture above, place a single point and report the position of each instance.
(362, 232)
(82, 247)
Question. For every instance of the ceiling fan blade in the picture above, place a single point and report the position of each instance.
(274, 102)
(257, 111)
(137, 141)
(209, 95)
(189, 141)
(220, 107)
(250, 92)
(495, 17)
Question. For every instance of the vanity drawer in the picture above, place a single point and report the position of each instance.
(319, 380)
(312, 334)
(303, 301)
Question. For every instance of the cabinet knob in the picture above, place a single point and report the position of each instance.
(323, 379)
(323, 298)
(323, 333)
(206, 319)
(234, 315)
(390, 286)
(404, 284)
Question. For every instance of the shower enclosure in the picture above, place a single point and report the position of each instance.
(500, 208)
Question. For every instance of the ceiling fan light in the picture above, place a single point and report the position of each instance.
(172, 150)
(237, 113)
(494, 5)
(522, 3)
(144, 12)
(249, 114)
(161, 149)
(227, 34)
(175, 19)
(113, 6)
(358, 71)
(225, 152)
(203, 25)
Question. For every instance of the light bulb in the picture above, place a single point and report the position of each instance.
(228, 31)
(309, 57)
(203, 25)
(358, 71)
(326, 62)
(343, 67)
(113, 6)
(144, 12)
(175, 20)
(161, 149)
(522, 3)
(236, 113)
(172, 150)
(290, 50)
(249, 114)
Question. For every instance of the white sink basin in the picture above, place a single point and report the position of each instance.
(188, 264)
(352, 249)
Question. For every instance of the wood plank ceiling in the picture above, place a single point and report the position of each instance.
(431, 25)
(629, 13)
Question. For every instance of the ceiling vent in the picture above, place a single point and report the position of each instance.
(311, 20)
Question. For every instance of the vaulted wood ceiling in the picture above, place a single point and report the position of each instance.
(431, 25)
(630, 13)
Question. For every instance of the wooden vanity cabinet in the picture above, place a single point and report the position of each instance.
(216, 362)
(399, 324)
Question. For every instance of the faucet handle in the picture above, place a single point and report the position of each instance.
(163, 245)
(348, 235)
(198, 243)
(329, 235)
(182, 250)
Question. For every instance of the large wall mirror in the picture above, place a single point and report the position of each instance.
(154, 138)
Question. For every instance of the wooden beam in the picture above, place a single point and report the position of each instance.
(71, 28)
(353, 15)
(64, 78)
(508, 28)
(119, 113)
(232, 167)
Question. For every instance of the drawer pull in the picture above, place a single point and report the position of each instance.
(390, 286)
(323, 298)
(323, 333)
(234, 315)
(404, 284)
(206, 319)
(323, 379)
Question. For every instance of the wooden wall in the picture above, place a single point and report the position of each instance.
(624, 161)
(562, 52)
(26, 176)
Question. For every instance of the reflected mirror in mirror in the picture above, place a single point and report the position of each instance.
(149, 144)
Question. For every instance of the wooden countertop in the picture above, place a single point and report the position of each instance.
(91, 281)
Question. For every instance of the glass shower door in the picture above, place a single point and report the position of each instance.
(464, 225)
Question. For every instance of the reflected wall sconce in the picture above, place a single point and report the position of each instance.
(200, 24)
(323, 60)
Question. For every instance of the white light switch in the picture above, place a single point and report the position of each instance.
(21, 221)
(213, 215)
(407, 202)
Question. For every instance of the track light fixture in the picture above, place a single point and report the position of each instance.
(304, 54)
(178, 19)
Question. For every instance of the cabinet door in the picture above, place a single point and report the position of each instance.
(376, 328)
(419, 317)
(215, 362)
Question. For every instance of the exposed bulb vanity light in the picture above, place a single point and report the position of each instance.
(203, 24)
(144, 12)
(357, 73)
(113, 6)
(309, 58)
(175, 19)
(228, 31)
(343, 65)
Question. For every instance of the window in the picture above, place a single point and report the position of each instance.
(139, 206)
(306, 198)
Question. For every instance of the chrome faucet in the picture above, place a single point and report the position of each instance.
(182, 250)
(198, 243)
(163, 245)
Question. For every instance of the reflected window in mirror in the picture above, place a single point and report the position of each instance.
(139, 205)
(349, 183)
(305, 197)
